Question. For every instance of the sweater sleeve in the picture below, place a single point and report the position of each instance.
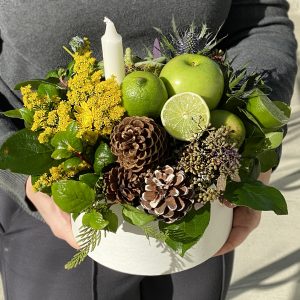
(12, 184)
(260, 35)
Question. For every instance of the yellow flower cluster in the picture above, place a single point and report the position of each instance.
(58, 173)
(97, 103)
(94, 103)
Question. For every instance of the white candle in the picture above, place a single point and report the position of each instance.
(112, 51)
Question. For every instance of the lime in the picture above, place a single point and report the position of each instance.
(266, 112)
(143, 94)
(223, 117)
(184, 115)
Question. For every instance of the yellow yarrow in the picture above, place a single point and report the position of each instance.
(58, 173)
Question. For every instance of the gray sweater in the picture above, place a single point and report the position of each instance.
(259, 33)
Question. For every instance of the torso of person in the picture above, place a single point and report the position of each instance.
(34, 31)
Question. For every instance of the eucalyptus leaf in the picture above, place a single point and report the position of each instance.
(256, 195)
(72, 196)
(190, 227)
(136, 216)
(23, 153)
(103, 157)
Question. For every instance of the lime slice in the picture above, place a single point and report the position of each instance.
(185, 115)
(266, 112)
(286, 109)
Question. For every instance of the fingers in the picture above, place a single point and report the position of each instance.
(245, 220)
(58, 221)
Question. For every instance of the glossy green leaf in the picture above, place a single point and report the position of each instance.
(190, 227)
(21, 113)
(60, 154)
(71, 163)
(250, 167)
(89, 178)
(67, 140)
(112, 219)
(49, 90)
(103, 157)
(94, 220)
(256, 195)
(72, 196)
(52, 74)
(22, 153)
(136, 216)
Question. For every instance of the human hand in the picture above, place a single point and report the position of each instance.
(245, 220)
(58, 221)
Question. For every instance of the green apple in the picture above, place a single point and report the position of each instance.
(221, 117)
(194, 73)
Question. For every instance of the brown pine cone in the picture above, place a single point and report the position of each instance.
(167, 194)
(122, 185)
(138, 142)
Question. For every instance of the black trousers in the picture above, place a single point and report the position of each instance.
(32, 267)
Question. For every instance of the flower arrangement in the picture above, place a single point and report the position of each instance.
(183, 129)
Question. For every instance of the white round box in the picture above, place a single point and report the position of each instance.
(129, 251)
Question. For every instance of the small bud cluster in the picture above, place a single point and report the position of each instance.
(210, 156)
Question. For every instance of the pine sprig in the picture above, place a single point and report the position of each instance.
(89, 238)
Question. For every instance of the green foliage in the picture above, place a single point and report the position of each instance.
(66, 142)
(268, 160)
(254, 194)
(22, 153)
(36, 82)
(95, 220)
(183, 234)
(112, 219)
(103, 157)
(88, 239)
(21, 113)
(136, 216)
(89, 178)
(72, 196)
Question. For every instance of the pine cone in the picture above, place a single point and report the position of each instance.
(138, 142)
(122, 185)
(167, 194)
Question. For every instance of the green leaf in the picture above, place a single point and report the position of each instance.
(251, 118)
(35, 84)
(46, 89)
(256, 195)
(255, 145)
(23, 153)
(179, 247)
(250, 167)
(67, 140)
(286, 109)
(94, 220)
(112, 219)
(190, 227)
(89, 178)
(71, 163)
(52, 74)
(136, 216)
(21, 113)
(103, 157)
(268, 160)
(60, 154)
(72, 196)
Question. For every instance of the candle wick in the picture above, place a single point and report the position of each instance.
(107, 20)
